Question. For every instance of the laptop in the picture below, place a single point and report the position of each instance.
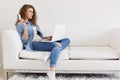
(59, 33)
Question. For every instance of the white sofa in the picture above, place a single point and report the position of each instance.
(90, 51)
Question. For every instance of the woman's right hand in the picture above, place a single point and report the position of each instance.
(23, 22)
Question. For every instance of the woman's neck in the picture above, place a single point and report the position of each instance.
(26, 20)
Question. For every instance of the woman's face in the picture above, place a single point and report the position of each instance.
(29, 13)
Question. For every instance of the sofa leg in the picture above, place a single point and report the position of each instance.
(5, 75)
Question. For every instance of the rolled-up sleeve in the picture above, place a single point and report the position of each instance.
(20, 29)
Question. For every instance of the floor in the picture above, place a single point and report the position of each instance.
(67, 77)
(32, 76)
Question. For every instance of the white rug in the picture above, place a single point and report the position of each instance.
(37, 76)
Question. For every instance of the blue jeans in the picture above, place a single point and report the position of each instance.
(53, 47)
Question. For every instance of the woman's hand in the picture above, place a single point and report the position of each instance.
(23, 22)
(48, 37)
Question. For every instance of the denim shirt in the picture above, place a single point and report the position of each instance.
(27, 44)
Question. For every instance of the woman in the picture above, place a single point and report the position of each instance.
(25, 26)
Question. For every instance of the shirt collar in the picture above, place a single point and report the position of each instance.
(27, 22)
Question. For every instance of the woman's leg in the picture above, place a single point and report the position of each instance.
(48, 46)
(55, 50)
(64, 43)
(53, 47)
(42, 46)
(54, 58)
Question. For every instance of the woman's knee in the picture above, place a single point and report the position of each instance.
(54, 44)
(67, 40)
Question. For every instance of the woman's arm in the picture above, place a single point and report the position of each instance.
(21, 29)
(25, 33)
(39, 32)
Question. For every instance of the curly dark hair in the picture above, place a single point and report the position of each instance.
(22, 12)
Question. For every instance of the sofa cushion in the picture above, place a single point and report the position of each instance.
(40, 55)
(93, 53)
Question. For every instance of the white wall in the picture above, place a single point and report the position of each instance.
(74, 13)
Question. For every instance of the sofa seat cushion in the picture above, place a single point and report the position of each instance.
(93, 53)
(40, 55)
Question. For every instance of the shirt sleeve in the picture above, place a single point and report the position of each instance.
(39, 32)
(20, 29)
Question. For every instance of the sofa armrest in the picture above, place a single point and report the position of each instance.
(115, 40)
(11, 46)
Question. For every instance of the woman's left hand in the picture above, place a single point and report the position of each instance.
(48, 37)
